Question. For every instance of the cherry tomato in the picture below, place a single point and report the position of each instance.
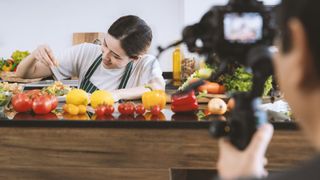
(42, 105)
(21, 103)
(121, 108)
(140, 109)
(100, 110)
(155, 110)
(128, 108)
(109, 110)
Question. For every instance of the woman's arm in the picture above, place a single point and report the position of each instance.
(37, 64)
(136, 92)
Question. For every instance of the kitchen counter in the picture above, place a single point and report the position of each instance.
(123, 147)
(166, 119)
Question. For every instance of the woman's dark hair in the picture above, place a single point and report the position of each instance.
(134, 34)
(307, 11)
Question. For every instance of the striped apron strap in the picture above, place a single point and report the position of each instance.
(126, 76)
(89, 87)
(86, 84)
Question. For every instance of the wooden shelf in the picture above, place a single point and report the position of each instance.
(88, 37)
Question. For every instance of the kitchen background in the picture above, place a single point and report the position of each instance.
(25, 24)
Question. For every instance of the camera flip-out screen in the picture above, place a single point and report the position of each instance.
(244, 28)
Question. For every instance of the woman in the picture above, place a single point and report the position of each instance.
(119, 65)
(298, 59)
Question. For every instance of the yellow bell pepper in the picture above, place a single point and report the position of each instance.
(7, 67)
(153, 98)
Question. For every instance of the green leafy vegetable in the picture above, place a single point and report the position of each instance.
(18, 56)
(242, 81)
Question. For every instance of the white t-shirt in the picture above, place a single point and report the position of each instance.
(77, 60)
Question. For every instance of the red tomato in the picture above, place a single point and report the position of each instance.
(109, 110)
(155, 110)
(128, 108)
(54, 102)
(21, 103)
(33, 93)
(121, 108)
(140, 109)
(100, 110)
(42, 105)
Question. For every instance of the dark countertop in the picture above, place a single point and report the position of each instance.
(125, 124)
(167, 119)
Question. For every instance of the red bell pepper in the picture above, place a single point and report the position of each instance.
(185, 108)
(181, 99)
(184, 102)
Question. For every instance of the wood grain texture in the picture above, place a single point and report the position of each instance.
(88, 37)
(124, 153)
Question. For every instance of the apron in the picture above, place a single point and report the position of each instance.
(89, 87)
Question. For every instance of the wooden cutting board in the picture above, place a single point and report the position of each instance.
(204, 99)
(208, 97)
(11, 77)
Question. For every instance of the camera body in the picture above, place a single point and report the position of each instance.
(231, 31)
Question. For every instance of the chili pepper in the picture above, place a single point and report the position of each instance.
(182, 99)
(185, 107)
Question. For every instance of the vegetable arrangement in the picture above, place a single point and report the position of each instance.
(240, 80)
(57, 89)
(34, 100)
(8, 65)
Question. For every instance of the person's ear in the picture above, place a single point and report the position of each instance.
(303, 62)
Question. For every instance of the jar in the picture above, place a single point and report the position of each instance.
(187, 68)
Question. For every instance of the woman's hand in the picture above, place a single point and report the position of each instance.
(44, 54)
(233, 163)
(37, 64)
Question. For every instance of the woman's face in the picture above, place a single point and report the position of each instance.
(113, 56)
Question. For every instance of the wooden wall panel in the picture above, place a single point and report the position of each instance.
(124, 153)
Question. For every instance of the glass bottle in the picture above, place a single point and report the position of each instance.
(176, 61)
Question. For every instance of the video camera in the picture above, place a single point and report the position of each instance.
(239, 33)
(231, 31)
